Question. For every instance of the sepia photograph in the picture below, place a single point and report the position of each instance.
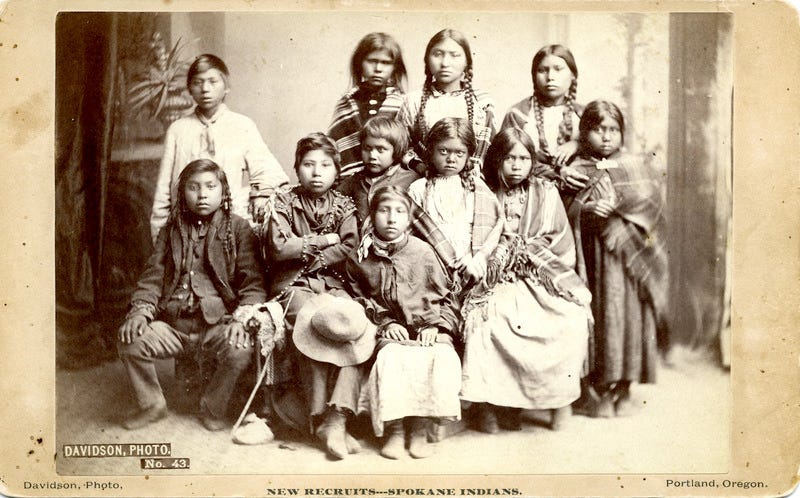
(578, 315)
(390, 249)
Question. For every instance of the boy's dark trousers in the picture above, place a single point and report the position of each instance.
(221, 363)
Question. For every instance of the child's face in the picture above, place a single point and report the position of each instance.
(605, 138)
(447, 62)
(377, 154)
(449, 157)
(391, 219)
(517, 165)
(208, 89)
(203, 193)
(377, 68)
(553, 79)
(317, 172)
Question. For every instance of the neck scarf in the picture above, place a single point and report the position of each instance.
(207, 122)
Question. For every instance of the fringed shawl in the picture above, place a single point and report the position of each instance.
(635, 231)
(543, 248)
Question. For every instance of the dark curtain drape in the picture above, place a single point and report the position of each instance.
(698, 180)
(86, 59)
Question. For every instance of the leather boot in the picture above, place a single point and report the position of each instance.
(332, 432)
(419, 447)
(394, 434)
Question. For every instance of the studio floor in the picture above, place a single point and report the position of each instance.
(682, 426)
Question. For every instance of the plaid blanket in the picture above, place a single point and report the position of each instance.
(635, 231)
(487, 221)
(346, 125)
(543, 247)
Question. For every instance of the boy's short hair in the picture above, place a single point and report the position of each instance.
(203, 63)
(317, 141)
(390, 130)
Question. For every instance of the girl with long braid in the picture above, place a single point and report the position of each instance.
(551, 116)
(448, 93)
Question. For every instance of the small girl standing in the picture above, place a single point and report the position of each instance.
(217, 133)
(448, 92)
(404, 289)
(550, 116)
(457, 200)
(306, 240)
(526, 335)
(619, 225)
(378, 79)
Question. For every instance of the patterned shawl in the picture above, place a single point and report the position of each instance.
(543, 248)
(487, 220)
(346, 125)
(635, 231)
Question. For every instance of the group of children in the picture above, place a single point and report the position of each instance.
(426, 262)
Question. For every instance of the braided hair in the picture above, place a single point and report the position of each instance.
(181, 215)
(460, 129)
(565, 128)
(466, 83)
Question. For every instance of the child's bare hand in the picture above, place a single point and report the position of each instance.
(236, 335)
(475, 267)
(332, 239)
(133, 327)
(601, 208)
(258, 209)
(573, 178)
(427, 336)
(396, 332)
(564, 152)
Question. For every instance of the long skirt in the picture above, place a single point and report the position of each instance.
(408, 380)
(525, 348)
(624, 343)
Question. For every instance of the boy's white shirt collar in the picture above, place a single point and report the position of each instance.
(222, 109)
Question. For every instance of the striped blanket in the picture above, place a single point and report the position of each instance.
(346, 125)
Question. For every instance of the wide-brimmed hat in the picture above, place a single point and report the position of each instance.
(334, 330)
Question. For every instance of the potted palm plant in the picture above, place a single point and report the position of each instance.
(161, 88)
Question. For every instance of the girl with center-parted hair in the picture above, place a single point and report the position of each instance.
(619, 224)
(378, 81)
(551, 115)
(448, 92)
(215, 132)
(405, 292)
(526, 332)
